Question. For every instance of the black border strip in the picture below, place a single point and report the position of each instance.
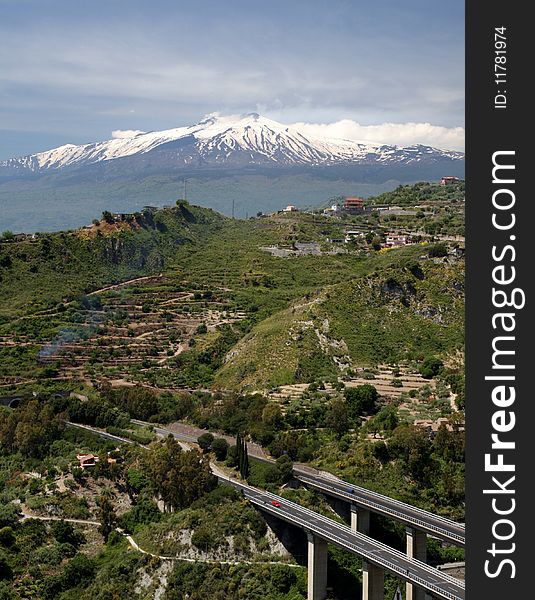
(489, 130)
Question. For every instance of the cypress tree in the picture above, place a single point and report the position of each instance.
(239, 447)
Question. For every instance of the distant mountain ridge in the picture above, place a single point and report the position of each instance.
(236, 165)
(247, 140)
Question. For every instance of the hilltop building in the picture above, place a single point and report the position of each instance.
(353, 205)
(290, 208)
(448, 180)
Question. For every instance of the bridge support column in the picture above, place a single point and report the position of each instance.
(317, 568)
(416, 548)
(373, 581)
(360, 519)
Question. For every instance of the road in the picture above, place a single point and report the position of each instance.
(190, 433)
(423, 520)
(397, 563)
(101, 433)
(414, 571)
(435, 525)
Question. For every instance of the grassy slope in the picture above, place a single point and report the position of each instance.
(200, 249)
(395, 313)
(421, 193)
(38, 274)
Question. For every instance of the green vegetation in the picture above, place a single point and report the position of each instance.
(398, 313)
(61, 267)
(224, 582)
(422, 193)
(349, 359)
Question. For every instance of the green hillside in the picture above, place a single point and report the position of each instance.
(421, 193)
(38, 272)
(206, 303)
(392, 315)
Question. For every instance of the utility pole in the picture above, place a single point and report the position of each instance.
(232, 207)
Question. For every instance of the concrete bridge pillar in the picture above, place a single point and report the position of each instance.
(317, 568)
(360, 519)
(416, 548)
(373, 581)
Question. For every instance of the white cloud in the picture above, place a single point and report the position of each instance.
(121, 134)
(399, 134)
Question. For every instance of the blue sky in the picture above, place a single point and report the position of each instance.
(72, 72)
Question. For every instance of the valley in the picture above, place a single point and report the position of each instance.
(348, 359)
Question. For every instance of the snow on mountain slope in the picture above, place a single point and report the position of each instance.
(255, 140)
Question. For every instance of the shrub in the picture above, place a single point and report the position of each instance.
(203, 539)
(220, 448)
(7, 537)
(205, 442)
(438, 250)
(431, 367)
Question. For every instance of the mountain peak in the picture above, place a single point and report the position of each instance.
(226, 140)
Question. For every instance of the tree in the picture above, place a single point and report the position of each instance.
(243, 458)
(414, 446)
(106, 516)
(337, 417)
(9, 515)
(387, 418)
(65, 533)
(431, 367)
(6, 572)
(285, 467)
(361, 399)
(178, 477)
(7, 537)
(272, 415)
(380, 451)
(232, 456)
(205, 442)
(31, 429)
(80, 568)
(107, 216)
(220, 448)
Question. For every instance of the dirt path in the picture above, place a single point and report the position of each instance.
(26, 515)
(135, 545)
(182, 347)
(130, 281)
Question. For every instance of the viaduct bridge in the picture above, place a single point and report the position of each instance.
(422, 580)
(376, 556)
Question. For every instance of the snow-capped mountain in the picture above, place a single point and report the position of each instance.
(248, 161)
(246, 140)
